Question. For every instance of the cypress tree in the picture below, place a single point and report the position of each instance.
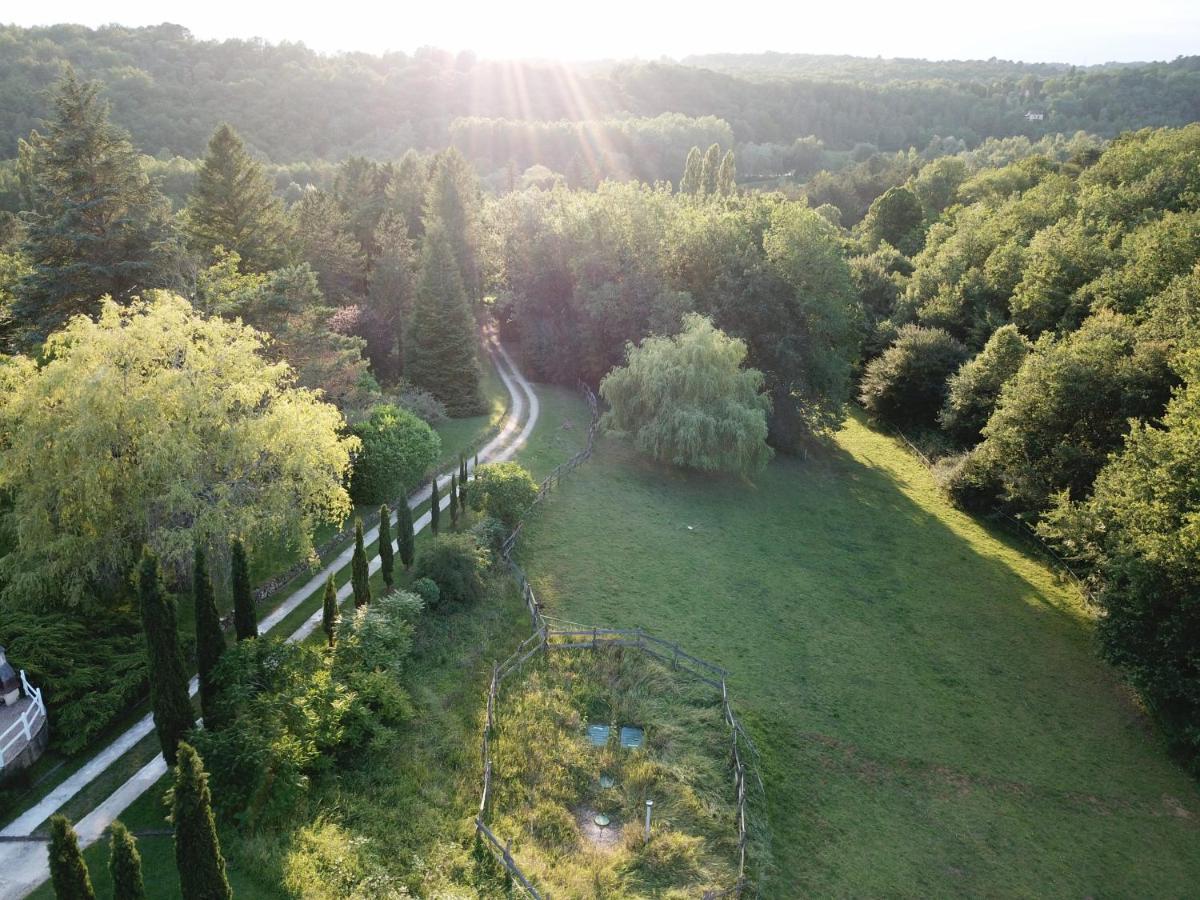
(454, 500)
(708, 170)
(405, 539)
(435, 507)
(691, 181)
(329, 611)
(386, 562)
(462, 483)
(360, 572)
(68, 872)
(125, 865)
(245, 619)
(441, 348)
(173, 716)
(95, 225)
(197, 849)
(727, 176)
(234, 206)
(210, 639)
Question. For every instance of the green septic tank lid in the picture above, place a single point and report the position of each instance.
(606, 781)
(598, 734)
(602, 820)
(632, 737)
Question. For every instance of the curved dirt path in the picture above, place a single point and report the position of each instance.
(23, 863)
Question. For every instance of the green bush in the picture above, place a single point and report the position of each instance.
(427, 590)
(397, 449)
(504, 491)
(490, 534)
(456, 565)
(906, 386)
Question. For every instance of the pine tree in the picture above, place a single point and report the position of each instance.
(453, 199)
(390, 291)
(440, 353)
(210, 639)
(405, 538)
(234, 206)
(96, 224)
(360, 573)
(454, 500)
(68, 872)
(435, 507)
(173, 716)
(727, 176)
(329, 611)
(386, 562)
(708, 170)
(125, 865)
(691, 181)
(323, 235)
(245, 618)
(197, 849)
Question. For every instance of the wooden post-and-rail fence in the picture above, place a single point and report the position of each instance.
(547, 637)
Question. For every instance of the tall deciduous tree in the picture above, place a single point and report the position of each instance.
(68, 871)
(360, 573)
(245, 617)
(386, 554)
(125, 864)
(96, 225)
(210, 639)
(441, 355)
(692, 179)
(234, 206)
(197, 848)
(727, 176)
(329, 611)
(709, 169)
(173, 717)
(158, 426)
(405, 539)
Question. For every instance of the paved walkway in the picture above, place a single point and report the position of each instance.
(24, 865)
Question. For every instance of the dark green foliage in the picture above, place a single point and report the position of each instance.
(974, 389)
(709, 167)
(173, 716)
(329, 611)
(125, 864)
(906, 386)
(397, 450)
(452, 199)
(360, 572)
(727, 176)
(454, 500)
(428, 591)
(897, 219)
(245, 617)
(210, 639)
(456, 565)
(96, 225)
(691, 181)
(234, 206)
(197, 848)
(386, 553)
(405, 539)
(68, 871)
(441, 354)
(435, 506)
(503, 491)
(323, 235)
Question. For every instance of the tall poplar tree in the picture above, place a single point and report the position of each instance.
(96, 224)
(386, 559)
(197, 848)
(245, 619)
(125, 864)
(329, 611)
(173, 717)
(405, 539)
(708, 170)
(234, 206)
(691, 182)
(727, 176)
(441, 347)
(68, 872)
(210, 639)
(360, 572)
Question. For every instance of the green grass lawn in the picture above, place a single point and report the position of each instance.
(931, 711)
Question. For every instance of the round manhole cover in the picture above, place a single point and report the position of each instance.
(606, 781)
(602, 820)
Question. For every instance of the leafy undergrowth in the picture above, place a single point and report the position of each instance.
(548, 788)
(931, 711)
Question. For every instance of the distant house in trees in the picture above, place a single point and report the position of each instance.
(1034, 116)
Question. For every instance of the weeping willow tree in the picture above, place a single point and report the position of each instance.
(688, 401)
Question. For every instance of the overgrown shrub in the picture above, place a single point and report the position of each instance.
(427, 590)
(973, 390)
(397, 449)
(906, 386)
(968, 480)
(504, 491)
(490, 534)
(456, 565)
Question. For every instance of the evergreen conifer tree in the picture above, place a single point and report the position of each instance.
(708, 170)
(435, 507)
(245, 618)
(462, 482)
(329, 611)
(440, 352)
(197, 849)
(691, 181)
(727, 176)
(453, 199)
(210, 639)
(405, 539)
(173, 716)
(234, 206)
(125, 864)
(68, 871)
(454, 500)
(96, 224)
(360, 572)
(386, 559)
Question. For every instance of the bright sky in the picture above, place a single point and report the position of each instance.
(1077, 31)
